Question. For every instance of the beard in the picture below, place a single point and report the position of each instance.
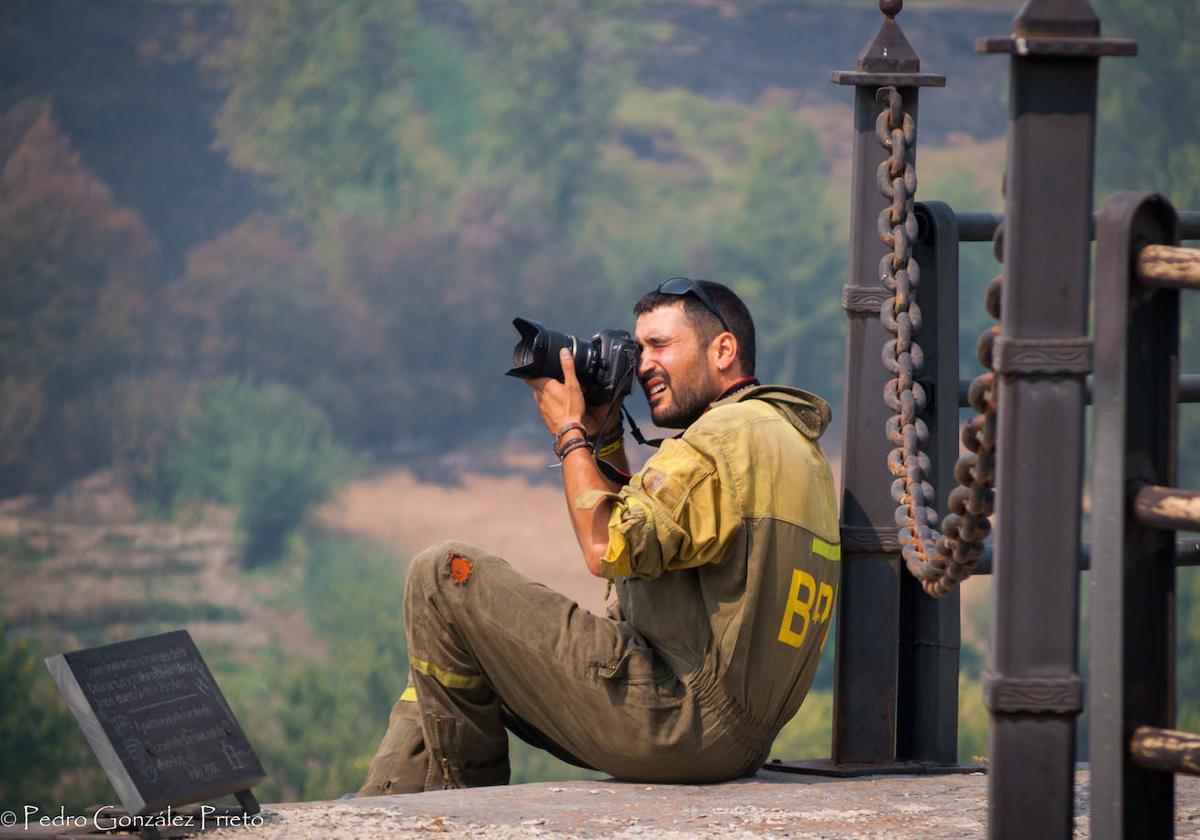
(688, 401)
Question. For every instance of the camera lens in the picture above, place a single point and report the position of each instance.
(536, 353)
(605, 366)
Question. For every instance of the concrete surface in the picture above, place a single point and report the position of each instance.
(771, 804)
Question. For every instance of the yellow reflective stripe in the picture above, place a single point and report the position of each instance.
(409, 695)
(830, 551)
(447, 678)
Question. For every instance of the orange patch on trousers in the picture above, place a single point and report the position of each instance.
(460, 569)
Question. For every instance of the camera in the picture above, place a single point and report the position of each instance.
(606, 366)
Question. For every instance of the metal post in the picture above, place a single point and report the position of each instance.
(864, 714)
(1041, 359)
(927, 702)
(1133, 566)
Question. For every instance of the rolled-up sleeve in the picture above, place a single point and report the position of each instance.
(674, 514)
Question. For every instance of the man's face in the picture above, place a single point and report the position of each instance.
(674, 370)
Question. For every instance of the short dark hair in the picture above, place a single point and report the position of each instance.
(704, 322)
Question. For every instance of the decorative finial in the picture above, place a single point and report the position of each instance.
(891, 8)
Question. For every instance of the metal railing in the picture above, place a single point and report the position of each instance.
(895, 701)
(1136, 510)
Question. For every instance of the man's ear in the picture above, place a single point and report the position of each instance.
(723, 352)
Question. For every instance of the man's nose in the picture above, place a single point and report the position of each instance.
(645, 364)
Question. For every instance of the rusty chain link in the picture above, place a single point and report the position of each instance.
(938, 560)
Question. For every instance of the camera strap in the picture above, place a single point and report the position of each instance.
(740, 385)
(612, 473)
(637, 433)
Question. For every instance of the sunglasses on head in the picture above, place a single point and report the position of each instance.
(687, 286)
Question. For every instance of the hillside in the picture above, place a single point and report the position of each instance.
(89, 567)
(129, 84)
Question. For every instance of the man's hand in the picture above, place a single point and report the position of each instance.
(560, 403)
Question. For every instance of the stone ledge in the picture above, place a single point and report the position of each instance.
(770, 804)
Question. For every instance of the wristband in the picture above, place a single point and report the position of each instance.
(571, 446)
(616, 435)
(609, 448)
(565, 430)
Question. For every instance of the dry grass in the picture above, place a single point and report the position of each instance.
(523, 522)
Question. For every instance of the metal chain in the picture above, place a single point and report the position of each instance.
(939, 560)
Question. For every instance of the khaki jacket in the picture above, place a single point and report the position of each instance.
(724, 550)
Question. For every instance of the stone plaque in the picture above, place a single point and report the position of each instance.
(157, 721)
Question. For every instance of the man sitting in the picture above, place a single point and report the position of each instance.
(724, 554)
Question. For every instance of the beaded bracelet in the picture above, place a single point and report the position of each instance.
(571, 446)
(565, 430)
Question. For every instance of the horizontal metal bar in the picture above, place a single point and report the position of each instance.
(977, 227)
(1189, 389)
(1168, 508)
(1189, 224)
(981, 227)
(1167, 267)
(1038, 45)
(1187, 553)
(1168, 750)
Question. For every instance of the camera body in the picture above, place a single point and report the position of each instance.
(606, 366)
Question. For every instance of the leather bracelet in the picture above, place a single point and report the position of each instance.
(567, 429)
(571, 446)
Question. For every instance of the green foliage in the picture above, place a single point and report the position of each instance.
(973, 721)
(558, 68)
(515, 181)
(354, 595)
(810, 733)
(18, 548)
(323, 105)
(779, 251)
(530, 764)
(40, 739)
(1150, 105)
(329, 714)
(1187, 673)
(977, 264)
(263, 449)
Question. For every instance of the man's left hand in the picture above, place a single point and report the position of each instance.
(559, 403)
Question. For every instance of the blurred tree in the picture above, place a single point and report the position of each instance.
(353, 105)
(1150, 105)
(959, 186)
(557, 69)
(443, 300)
(779, 250)
(265, 450)
(73, 301)
(42, 742)
(254, 303)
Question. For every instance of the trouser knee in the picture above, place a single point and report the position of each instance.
(445, 562)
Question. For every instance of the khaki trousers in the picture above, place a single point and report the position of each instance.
(490, 648)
